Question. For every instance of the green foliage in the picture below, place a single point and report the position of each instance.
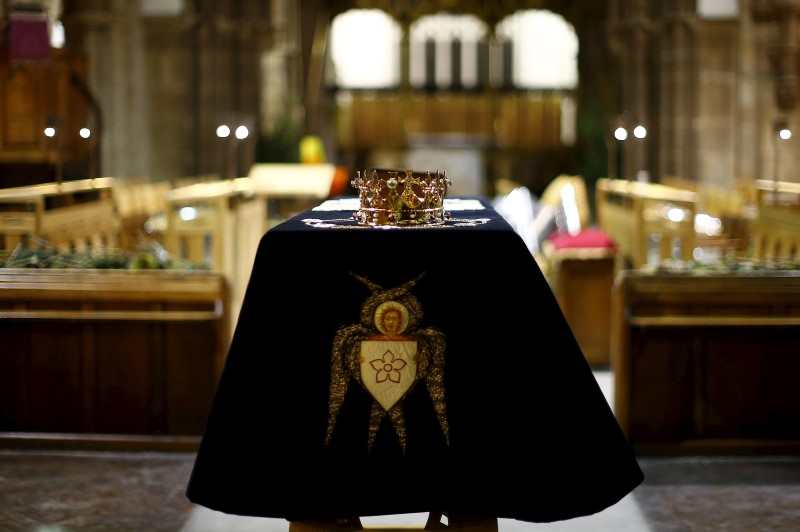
(37, 253)
(727, 265)
(282, 145)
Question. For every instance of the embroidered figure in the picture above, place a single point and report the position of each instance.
(387, 353)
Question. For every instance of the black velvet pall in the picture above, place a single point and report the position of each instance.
(531, 435)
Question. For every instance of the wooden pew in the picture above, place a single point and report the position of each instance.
(633, 213)
(72, 215)
(733, 207)
(109, 359)
(775, 232)
(220, 224)
(706, 363)
(137, 202)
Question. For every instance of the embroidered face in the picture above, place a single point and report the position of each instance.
(391, 318)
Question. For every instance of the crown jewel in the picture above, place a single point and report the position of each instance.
(397, 197)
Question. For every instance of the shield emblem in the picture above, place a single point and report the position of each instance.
(388, 369)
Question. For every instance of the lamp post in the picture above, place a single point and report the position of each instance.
(224, 132)
(241, 133)
(236, 139)
(627, 154)
(781, 132)
(52, 131)
(640, 132)
(616, 148)
(86, 133)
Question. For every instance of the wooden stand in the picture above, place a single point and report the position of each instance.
(34, 95)
(436, 521)
(582, 281)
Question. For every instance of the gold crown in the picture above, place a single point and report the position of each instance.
(397, 197)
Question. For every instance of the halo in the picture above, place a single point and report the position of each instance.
(386, 305)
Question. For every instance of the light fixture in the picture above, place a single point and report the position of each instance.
(780, 125)
(187, 213)
(223, 131)
(620, 133)
(640, 132)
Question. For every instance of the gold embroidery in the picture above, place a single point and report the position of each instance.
(429, 357)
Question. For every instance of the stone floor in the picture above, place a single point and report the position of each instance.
(44, 491)
(89, 491)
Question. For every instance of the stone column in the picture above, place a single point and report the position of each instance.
(110, 35)
(678, 104)
(783, 53)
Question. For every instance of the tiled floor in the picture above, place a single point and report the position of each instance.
(82, 491)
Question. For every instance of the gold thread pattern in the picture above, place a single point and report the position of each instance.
(346, 358)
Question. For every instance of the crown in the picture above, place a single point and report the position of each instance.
(398, 197)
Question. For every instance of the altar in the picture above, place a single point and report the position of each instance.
(502, 418)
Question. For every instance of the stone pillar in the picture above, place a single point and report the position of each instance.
(752, 98)
(110, 35)
(456, 82)
(783, 54)
(678, 104)
(430, 64)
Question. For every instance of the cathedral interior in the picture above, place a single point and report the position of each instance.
(645, 151)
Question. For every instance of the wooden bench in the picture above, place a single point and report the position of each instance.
(733, 208)
(218, 223)
(634, 213)
(137, 202)
(707, 363)
(72, 215)
(109, 359)
(775, 232)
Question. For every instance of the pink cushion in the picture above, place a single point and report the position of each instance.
(587, 238)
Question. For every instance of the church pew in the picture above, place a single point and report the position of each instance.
(110, 359)
(706, 363)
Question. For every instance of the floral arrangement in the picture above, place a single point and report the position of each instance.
(727, 265)
(34, 252)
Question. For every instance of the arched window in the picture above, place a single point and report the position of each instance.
(365, 50)
(545, 50)
(447, 51)
(451, 51)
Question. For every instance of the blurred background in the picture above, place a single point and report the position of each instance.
(520, 90)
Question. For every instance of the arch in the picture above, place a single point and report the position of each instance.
(464, 35)
(545, 49)
(365, 49)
